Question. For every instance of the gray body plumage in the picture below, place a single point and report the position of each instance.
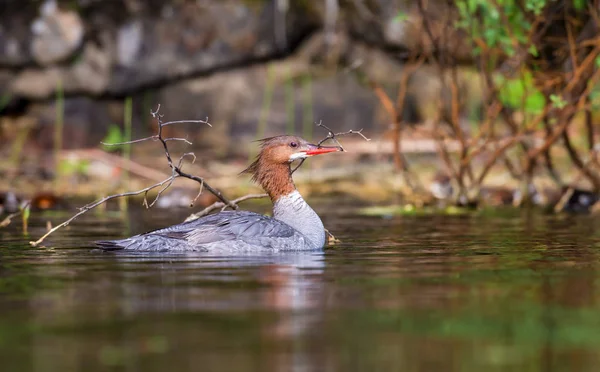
(294, 227)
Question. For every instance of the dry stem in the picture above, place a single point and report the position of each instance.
(164, 184)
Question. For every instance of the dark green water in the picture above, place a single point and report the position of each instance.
(439, 293)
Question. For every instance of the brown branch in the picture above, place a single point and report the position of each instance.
(154, 138)
(568, 112)
(589, 125)
(512, 169)
(223, 206)
(177, 169)
(569, 190)
(548, 156)
(576, 159)
(399, 161)
(497, 153)
(93, 205)
(164, 184)
(331, 136)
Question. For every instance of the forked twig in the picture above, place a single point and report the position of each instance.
(331, 136)
(93, 205)
(223, 206)
(176, 172)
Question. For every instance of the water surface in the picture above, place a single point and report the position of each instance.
(444, 293)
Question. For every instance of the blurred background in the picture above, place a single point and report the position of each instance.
(469, 102)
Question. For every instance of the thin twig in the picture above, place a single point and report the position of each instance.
(223, 206)
(176, 171)
(197, 195)
(155, 114)
(568, 192)
(178, 139)
(93, 205)
(331, 136)
(298, 166)
(154, 138)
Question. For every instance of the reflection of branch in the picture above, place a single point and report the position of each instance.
(7, 220)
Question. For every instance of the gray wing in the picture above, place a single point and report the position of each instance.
(215, 228)
(227, 226)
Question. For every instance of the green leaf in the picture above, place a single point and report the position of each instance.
(486, 18)
(557, 101)
(400, 17)
(533, 50)
(521, 93)
(114, 135)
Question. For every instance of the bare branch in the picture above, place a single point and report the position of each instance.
(182, 121)
(331, 136)
(176, 171)
(154, 138)
(93, 205)
(162, 189)
(223, 206)
(197, 195)
(177, 139)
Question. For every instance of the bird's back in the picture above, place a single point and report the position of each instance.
(230, 231)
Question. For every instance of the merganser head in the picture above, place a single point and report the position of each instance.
(285, 149)
(271, 169)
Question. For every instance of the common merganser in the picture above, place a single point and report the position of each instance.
(293, 227)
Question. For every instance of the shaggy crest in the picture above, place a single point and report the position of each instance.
(252, 169)
(270, 170)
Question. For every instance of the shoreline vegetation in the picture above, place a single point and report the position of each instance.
(493, 104)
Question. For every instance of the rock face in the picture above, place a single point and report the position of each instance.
(134, 45)
(56, 33)
(209, 58)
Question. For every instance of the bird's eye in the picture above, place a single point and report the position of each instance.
(293, 144)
